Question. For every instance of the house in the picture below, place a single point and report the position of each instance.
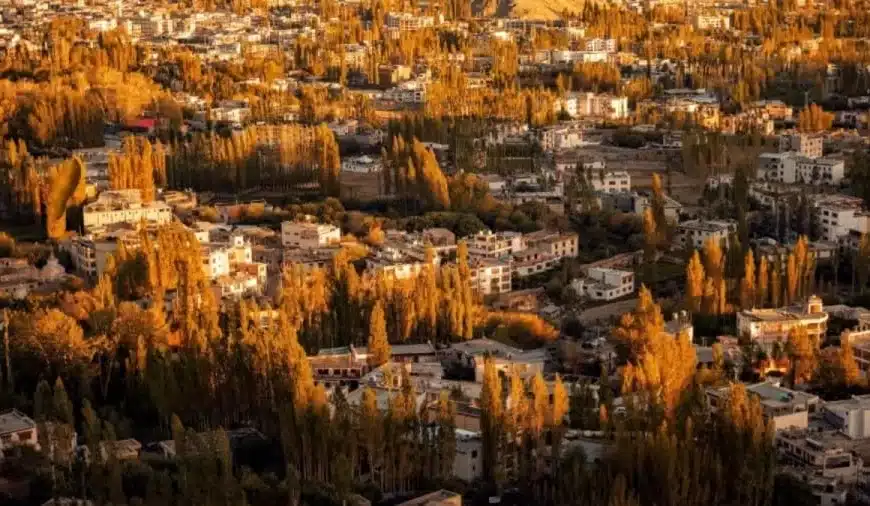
(806, 145)
(693, 234)
(602, 283)
(495, 245)
(792, 167)
(123, 206)
(308, 235)
(17, 429)
(490, 276)
(820, 454)
(472, 353)
(836, 216)
(787, 409)
(851, 417)
(766, 327)
(611, 182)
(468, 460)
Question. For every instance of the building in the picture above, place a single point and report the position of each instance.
(557, 244)
(818, 453)
(598, 44)
(588, 104)
(489, 276)
(404, 21)
(765, 327)
(851, 417)
(791, 167)
(16, 429)
(602, 283)
(308, 235)
(808, 146)
(486, 243)
(611, 182)
(836, 216)
(693, 234)
(559, 137)
(468, 460)
(712, 22)
(787, 409)
(18, 278)
(398, 263)
(472, 353)
(438, 498)
(123, 206)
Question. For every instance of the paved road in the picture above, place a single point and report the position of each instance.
(607, 311)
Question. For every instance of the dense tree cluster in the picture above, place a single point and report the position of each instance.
(267, 157)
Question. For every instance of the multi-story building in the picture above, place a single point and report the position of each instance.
(818, 453)
(16, 429)
(611, 182)
(787, 409)
(495, 245)
(404, 21)
(410, 92)
(765, 327)
(693, 234)
(397, 263)
(308, 235)
(598, 44)
(123, 206)
(836, 216)
(851, 417)
(587, 104)
(556, 244)
(602, 283)
(558, 137)
(489, 276)
(808, 146)
(712, 22)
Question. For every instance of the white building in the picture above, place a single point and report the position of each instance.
(123, 206)
(611, 182)
(598, 44)
(410, 92)
(712, 22)
(836, 216)
(16, 429)
(792, 167)
(559, 137)
(765, 327)
(404, 21)
(587, 104)
(606, 284)
(693, 234)
(851, 417)
(307, 235)
(468, 460)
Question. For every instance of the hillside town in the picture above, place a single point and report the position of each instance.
(346, 252)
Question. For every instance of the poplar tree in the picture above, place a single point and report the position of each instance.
(761, 283)
(491, 423)
(747, 284)
(694, 283)
(378, 345)
(802, 356)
